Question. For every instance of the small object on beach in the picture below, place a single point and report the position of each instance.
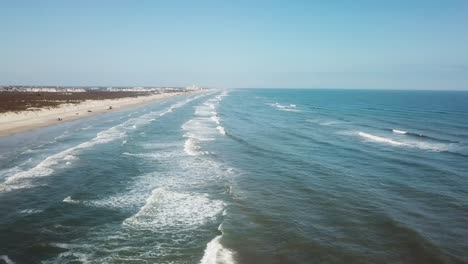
(59, 119)
(89, 111)
(110, 107)
(77, 113)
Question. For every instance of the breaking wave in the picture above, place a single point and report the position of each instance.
(68, 199)
(216, 253)
(423, 145)
(221, 130)
(200, 128)
(421, 136)
(191, 147)
(167, 212)
(399, 131)
(381, 139)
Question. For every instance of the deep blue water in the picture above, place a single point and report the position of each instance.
(244, 176)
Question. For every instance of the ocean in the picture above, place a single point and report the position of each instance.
(244, 176)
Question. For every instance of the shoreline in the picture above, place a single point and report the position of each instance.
(12, 123)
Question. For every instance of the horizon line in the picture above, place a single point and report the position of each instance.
(271, 88)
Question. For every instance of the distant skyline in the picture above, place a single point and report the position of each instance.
(236, 44)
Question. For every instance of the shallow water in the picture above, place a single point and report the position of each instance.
(244, 176)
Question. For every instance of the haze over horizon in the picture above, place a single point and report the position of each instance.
(274, 44)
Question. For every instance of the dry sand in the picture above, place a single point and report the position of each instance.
(11, 122)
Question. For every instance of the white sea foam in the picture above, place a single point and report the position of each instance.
(424, 145)
(30, 211)
(191, 147)
(13, 170)
(69, 256)
(46, 167)
(121, 201)
(399, 131)
(68, 199)
(221, 130)
(437, 147)
(215, 253)
(168, 210)
(285, 107)
(195, 135)
(16, 186)
(70, 157)
(215, 119)
(188, 173)
(381, 139)
(200, 129)
(6, 259)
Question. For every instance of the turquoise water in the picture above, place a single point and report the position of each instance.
(244, 176)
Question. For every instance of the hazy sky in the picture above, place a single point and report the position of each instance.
(303, 44)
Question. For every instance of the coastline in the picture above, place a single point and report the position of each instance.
(16, 122)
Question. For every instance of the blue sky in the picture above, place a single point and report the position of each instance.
(301, 44)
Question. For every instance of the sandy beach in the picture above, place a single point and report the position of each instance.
(21, 121)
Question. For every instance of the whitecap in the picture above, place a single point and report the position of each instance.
(30, 211)
(423, 145)
(381, 139)
(399, 131)
(221, 130)
(68, 199)
(284, 107)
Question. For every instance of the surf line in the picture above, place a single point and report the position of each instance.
(46, 166)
